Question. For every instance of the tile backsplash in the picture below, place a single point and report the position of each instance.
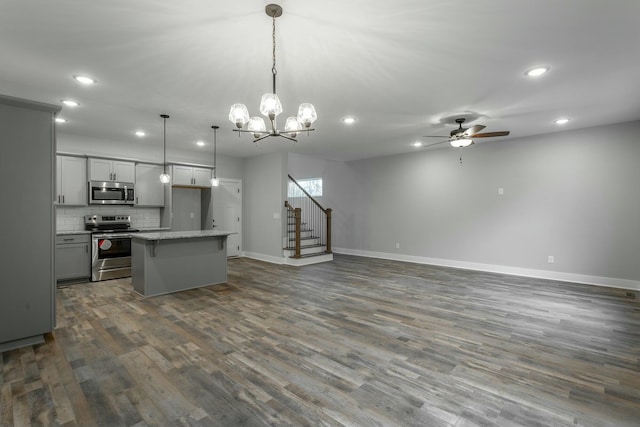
(72, 218)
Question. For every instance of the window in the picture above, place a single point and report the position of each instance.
(313, 186)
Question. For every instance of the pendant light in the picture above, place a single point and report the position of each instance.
(215, 181)
(270, 105)
(165, 177)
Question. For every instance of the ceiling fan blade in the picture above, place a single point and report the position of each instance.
(435, 136)
(474, 129)
(489, 134)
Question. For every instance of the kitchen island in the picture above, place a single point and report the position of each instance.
(171, 261)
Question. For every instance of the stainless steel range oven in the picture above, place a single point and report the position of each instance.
(110, 246)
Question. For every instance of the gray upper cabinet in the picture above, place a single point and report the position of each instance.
(111, 170)
(189, 176)
(149, 189)
(27, 289)
(71, 180)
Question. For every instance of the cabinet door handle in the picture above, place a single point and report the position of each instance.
(136, 200)
(114, 176)
(69, 239)
(63, 199)
(58, 198)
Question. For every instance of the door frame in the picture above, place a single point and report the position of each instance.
(232, 181)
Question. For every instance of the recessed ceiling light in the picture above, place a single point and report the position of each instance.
(200, 143)
(561, 121)
(141, 133)
(70, 103)
(60, 120)
(349, 120)
(537, 71)
(85, 80)
(417, 144)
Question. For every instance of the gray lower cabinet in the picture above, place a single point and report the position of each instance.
(73, 256)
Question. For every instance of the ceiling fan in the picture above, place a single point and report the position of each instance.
(462, 137)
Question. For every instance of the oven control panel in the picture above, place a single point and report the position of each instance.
(107, 219)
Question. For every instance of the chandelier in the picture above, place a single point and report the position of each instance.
(270, 105)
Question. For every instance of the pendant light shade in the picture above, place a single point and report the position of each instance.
(257, 126)
(165, 178)
(270, 105)
(239, 115)
(307, 114)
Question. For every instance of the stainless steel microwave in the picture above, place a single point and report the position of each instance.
(111, 193)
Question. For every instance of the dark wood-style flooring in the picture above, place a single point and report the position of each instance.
(353, 342)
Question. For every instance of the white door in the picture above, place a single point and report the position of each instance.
(227, 212)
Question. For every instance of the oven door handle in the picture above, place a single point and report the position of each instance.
(94, 251)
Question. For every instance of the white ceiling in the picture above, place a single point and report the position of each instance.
(403, 67)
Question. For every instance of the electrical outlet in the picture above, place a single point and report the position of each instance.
(551, 259)
(397, 245)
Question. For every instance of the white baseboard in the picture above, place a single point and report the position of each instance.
(610, 282)
(263, 257)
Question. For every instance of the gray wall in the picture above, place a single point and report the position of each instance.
(264, 186)
(187, 209)
(340, 192)
(572, 195)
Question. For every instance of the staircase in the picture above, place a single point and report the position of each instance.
(308, 239)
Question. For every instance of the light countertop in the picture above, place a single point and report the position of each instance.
(168, 235)
(67, 233)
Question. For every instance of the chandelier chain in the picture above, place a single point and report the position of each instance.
(274, 71)
(273, 36)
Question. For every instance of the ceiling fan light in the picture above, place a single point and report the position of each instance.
(239, 115)
(165, 178)
(307, 114)
(462, 142)
(270, 105)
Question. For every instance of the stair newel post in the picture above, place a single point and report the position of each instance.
(328, 212)
(298, 217)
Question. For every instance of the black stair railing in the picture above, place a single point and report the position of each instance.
(307, 221)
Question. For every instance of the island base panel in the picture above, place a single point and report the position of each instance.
(166, 266)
